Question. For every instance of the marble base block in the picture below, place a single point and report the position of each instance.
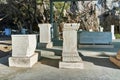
(71, 60)
(23, 61)
(47, 53)
(71, 65)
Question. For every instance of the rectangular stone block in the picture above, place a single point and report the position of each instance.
(71, 58)
(23, 61)
(23, 45)
(71, 65)
(69, 41)
(45, 34)
(47, 53)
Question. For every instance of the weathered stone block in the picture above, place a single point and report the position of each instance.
(71, 65)
(45, 35)
(47, 53)
(23, 45)
(23, 61)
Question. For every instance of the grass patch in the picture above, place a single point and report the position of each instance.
(117, 36)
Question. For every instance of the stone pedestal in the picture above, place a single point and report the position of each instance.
(23, 61)
(70, 56)
(45, 36)
(112, 31)
(23, 51)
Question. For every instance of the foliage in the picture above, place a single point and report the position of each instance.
(117, 36)
(21, 12)
(24, 13)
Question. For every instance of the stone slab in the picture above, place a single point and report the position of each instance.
(47, 53)
(23, 61)
(71, 65)
(71, 57)
(46, 45)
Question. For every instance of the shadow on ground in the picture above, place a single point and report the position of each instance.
(50, 62)
(3, 54)
(101, 60)
(56, 51)
(4, 37)
(4, 60)
(57, 42)
(115, 49)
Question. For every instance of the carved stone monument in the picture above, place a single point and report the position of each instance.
(45, 36)
(23, 51)
(70, 56)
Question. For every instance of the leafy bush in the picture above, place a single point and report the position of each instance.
(117, 36)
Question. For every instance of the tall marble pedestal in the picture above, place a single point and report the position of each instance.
(45, 36)
(70, 56)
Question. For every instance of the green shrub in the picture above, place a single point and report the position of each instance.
(117, 36)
